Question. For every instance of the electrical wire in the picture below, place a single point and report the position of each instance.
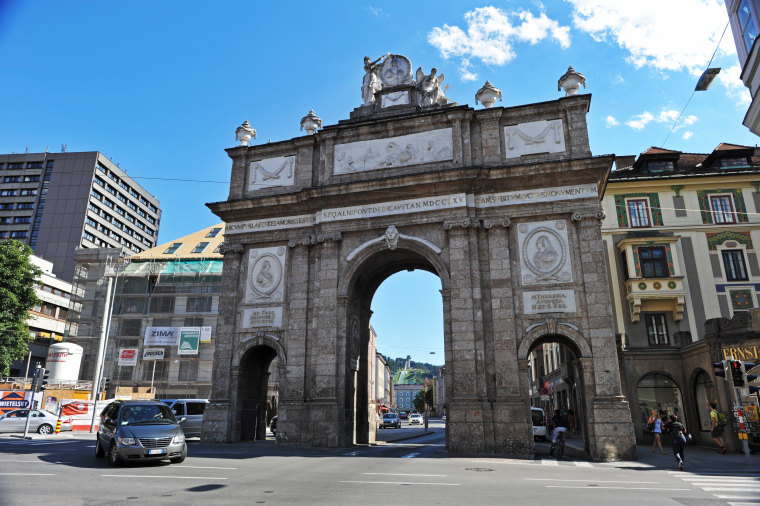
(695, 90)
(179, 179)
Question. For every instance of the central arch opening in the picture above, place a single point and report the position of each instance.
(396, 329)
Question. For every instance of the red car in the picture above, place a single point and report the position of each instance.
(403, 415)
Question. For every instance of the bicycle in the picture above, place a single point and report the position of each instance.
(559, 446)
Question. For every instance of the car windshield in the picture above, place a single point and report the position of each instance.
(146, 414)
(389, 415)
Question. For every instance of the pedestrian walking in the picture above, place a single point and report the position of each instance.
(655, 420)
(716, 429)
(678, 435)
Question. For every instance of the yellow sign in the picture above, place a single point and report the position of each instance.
(745, 352)
(750, 412)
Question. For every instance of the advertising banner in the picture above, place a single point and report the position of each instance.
(189, 340)
(12, 399)
(153, 354)
(162, 336)
(127, 356)
(205, 334)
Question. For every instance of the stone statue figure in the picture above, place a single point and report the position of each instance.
(429, 87)
(371, 82)
(545, 257)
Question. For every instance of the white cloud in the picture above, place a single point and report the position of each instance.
(687, 135)
(618, 79)
(464, 71)
(667, 116)
(735, 89)
(376, 11)
(639, 121)
(610, 121)
(689, 120)
(666, 35)
(492, 33)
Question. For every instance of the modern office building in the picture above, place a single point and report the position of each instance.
(58, 202)
(743, 16)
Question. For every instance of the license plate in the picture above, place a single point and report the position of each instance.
(155, 452)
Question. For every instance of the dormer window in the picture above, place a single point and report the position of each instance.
(171, 249)
(660, 166)
(729, 163)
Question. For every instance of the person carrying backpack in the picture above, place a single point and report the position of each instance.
(716, 427)
(678, 435)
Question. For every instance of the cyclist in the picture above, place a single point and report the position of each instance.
(560, 424)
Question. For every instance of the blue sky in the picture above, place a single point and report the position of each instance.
(161, 86)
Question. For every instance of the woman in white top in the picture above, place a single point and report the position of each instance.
(656, 422)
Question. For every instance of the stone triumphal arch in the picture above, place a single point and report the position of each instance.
(501, 203)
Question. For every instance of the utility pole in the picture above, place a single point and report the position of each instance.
(36, 380)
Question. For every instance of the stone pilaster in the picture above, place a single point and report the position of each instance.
(491, 136)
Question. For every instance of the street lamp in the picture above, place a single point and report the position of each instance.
(113, 268)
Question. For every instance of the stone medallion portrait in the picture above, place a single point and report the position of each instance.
(396, 69)
(544, 253)
(265, 274)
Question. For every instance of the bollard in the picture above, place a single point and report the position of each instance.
(58, 426)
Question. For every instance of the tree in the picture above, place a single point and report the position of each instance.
(419, 401)
(18, 275)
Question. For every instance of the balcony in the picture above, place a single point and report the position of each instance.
(655, 294)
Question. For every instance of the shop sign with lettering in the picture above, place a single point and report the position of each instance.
(742, 352)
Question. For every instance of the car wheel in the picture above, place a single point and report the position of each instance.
(113, 457)
(45, 429)
(99, 451)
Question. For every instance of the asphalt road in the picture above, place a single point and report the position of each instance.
(62, 469)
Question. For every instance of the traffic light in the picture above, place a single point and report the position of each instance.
(748, 378)
(720, 368)
(105, 384)
(737, 372)
(42, 377)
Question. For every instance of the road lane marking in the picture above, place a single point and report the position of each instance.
(594, 481)
(204, 467)
(736, 497)
(409, 474)
(399, 483)
(549, 462)
(410, 456)
(168, 477)
(727, 488)
(35, 461)
(351, 454)
(27, 474)
(581, 463)
(587, 487)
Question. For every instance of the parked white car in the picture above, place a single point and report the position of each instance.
(539, 423)
(415, 418)
(41, 421)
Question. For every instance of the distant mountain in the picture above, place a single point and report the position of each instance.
(415, 375)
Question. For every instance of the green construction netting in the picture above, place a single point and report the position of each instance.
(175, 267)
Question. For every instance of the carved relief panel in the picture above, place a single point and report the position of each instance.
(266, 267)
(534, 137)
(270, 172)
(544, 253)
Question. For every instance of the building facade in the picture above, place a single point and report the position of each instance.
(58, 202)
(404, 397)
(743, 17)
(680, 231)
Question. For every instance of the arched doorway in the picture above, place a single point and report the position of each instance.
(367, 272)
(256, 396)
(556, 382)
(704, 394)
(658, 391)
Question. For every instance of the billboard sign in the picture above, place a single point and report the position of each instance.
(189, 340)
(153, 354)
(12, 399)
(162, 336)
(127, 356)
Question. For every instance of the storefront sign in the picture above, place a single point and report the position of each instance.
(153, 354)
(127, 356)
(743, 352)
(12, 399)
(262, 317)
(189, 338)
(555, 301)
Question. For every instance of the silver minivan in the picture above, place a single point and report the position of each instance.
(189, 412)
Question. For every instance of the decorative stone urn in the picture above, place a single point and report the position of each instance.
(488, 95)
(311, 122)
(244, 133)
(571, 82)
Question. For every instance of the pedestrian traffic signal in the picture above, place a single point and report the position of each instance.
(106, 383)
(42, 377)
(720, 368)
(748, 378)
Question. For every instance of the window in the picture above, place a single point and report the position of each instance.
(23, 219)
(198, 304)
(214, 232)
(99, 180)
(7, 193)
(28, 192)
(141, 213)
(727, 163)
(11, 179)
(119, 210)
(171, 249)
(108, 203)
(733, 262)
(31, 179)
(96, 194)
(89, 237)
(638, 210)
(200, 247)
(152, 208)
(18, 234)
(122, 198)
(131, 218)
(161, 368)
(654, 262)
(746, 24)
(15, 166)
(162, 304)
(132, 206)
(5, 221)
(662, 166)
(34, 165)
(4, 207)
(657, 330)
(188, 371)
(722, 209)
(110, 189)
(25, 205)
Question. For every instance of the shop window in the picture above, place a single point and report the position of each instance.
(657, 329)
(660, 392)
(722, 209)
(638, 213)
(654, 262)
(733, 263)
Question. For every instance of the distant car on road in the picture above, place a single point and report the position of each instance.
(189, 414)
(41, 421)
(403, 415)
(415, 418)
(539, 423)
(390, 420)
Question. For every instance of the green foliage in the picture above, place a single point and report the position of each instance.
(416, 375)
(18, 275)
(421, 399)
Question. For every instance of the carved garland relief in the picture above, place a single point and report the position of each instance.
(271, 172)
(544, 253)
(534, 137)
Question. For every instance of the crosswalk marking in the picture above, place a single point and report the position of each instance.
(732, 486)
